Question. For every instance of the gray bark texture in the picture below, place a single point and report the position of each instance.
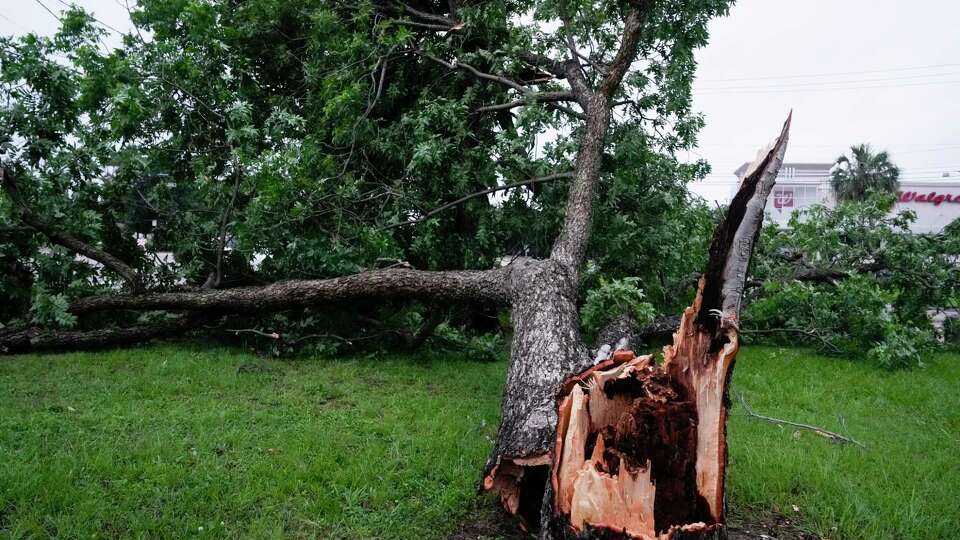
(546, 337)
(392, 283)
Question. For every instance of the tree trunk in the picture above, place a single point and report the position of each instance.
(626, 448)
(546, 348)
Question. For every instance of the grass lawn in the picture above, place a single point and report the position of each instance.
(179, 441)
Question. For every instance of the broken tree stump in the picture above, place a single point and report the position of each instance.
(640, 449)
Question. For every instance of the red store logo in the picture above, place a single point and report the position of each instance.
(783, 198)
(933, 197)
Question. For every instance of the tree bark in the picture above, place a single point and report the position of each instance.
(625, 448)
(546, 348)
(392, 283)
(33, 339)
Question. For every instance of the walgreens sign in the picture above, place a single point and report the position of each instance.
(933, 197)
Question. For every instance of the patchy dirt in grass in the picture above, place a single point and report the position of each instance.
(487, 521)
(769, 527)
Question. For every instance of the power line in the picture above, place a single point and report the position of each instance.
(833, 145)
(771, 90)
(71, 6)
(929, 149)
(15, 23)
(44, 6)
(820, 83)
(834, 74)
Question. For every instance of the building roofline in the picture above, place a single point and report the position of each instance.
(795, 164)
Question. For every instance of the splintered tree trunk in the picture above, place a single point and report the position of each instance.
(627, 448)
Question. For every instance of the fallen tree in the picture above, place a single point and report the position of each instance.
(619, 448)
(655, 435)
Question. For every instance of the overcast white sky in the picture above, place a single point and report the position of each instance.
(885, 72)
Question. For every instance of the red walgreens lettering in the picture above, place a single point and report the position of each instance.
(933, 197)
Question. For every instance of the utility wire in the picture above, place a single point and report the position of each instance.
(821, 83)
(772, 90)
(71, 6)
(834, 74)
(44, 6)
(15, 23)
(929, 149)
(834, 145)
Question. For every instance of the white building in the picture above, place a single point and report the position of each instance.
(801, 185)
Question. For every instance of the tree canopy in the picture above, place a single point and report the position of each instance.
(240, 143)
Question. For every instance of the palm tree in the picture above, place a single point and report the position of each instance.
(864, 171)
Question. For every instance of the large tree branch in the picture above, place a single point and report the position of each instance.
(66, 240)
(38, 339)
(490, 285)
(465, 198)
(632, 26)
(628, 47)
(570, 245)
(475, 72)
(538, 97)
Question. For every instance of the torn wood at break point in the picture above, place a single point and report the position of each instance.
(640, 449)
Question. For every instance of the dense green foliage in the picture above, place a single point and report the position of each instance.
(306, 140)
(182, 442)
(876, 281)
(865, 170)
(299, 138)
(613, 298)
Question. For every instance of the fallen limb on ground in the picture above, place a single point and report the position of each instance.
(818, 430)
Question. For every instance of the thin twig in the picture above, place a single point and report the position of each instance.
(808, 333)
(237, 331)
(428, 26)
(428, 16)
(818, 430)
(224, 222)
(476, 72)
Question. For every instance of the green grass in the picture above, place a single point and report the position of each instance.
(904, 485)
(168, 442)
(174, 442)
